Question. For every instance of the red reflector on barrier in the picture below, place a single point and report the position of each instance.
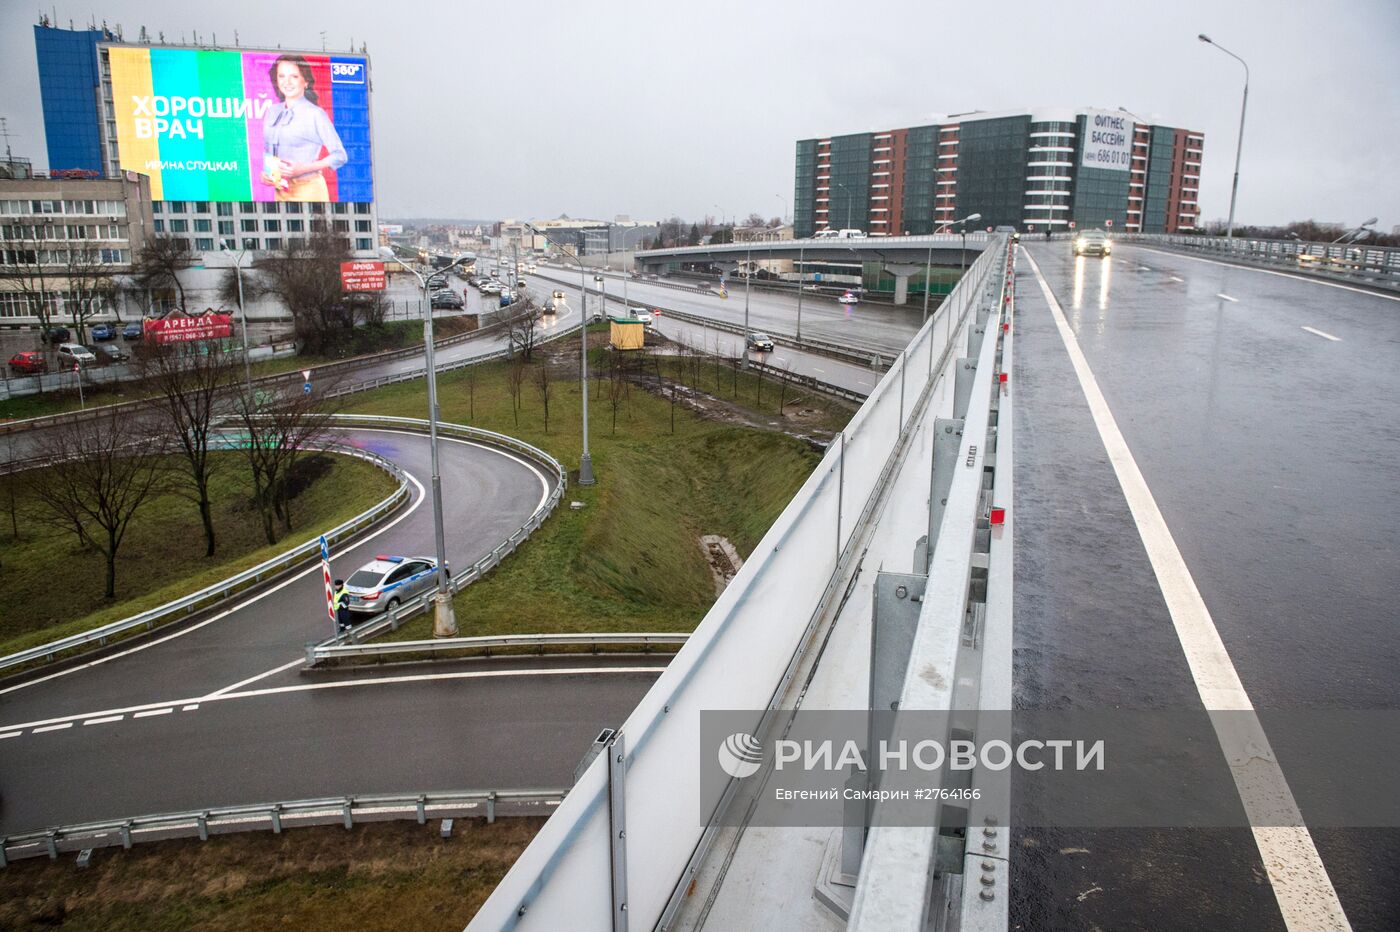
(1002, 377)
(1006, 328)
(998, 517)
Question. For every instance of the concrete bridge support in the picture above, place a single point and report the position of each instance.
(902, 271)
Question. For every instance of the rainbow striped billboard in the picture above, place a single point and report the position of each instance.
(244, 126)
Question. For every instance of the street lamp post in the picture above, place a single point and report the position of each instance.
(444, 618)
(242, 317)
(748, 276)
(1239, 146)
(585, 463)
(801, 250)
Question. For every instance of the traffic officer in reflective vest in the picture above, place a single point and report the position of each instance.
(341, 602)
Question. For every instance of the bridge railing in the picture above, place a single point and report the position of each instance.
(1378, 266)
(742, 656)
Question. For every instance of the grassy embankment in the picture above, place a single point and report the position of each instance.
(54, 589)
(381, 876)
(631, 558)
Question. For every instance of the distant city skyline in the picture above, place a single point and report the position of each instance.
(502, 113)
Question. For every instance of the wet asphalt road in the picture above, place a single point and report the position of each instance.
(1274, 455)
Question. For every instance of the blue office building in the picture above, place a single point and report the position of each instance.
(69, 84)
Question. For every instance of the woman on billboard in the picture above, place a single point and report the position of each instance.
(294, 134)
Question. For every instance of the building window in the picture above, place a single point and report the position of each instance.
(248, 225)
(250, 242)
(362, 226)
(271, 207)
(225, 227)
(201, 207)
(342, 226)
(177, 207)
(296, 226)
(229, 244)
(272, 226)
(317, 207)
(224, 209)
(179, 226)
(204, 244)
(158, 225)
(248, 207)
(203, 226)
(293, 207)
(363, 243)
(361, 208)
(340, 208)
(274, 242)
(157, 207)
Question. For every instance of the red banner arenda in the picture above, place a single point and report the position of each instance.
(362, 276)
(183, 329)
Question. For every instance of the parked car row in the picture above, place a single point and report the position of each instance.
(100, 333)
(66, 357)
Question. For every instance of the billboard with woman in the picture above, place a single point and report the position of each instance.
(244, 126)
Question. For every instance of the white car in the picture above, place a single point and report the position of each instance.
(73, 354)
(386, 582)
(530, 267)
(642, 314)
(848, 298)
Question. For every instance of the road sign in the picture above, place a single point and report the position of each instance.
(1071, 224)
(306, 388)
(326, 574)
(362, 276)
(1108, 223)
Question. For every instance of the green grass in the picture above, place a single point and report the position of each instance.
(631, 558)
(54, 588)
(379, 876)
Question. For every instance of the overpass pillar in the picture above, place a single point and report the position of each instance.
(902, 271)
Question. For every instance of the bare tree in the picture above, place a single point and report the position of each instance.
(89, 285)
(277, 432)
(305, 277)
(782, 393)
(189, 380)
(522, 324)
(159, 264)
(542, 383)
(97, 477)
(26, 263)
(515, 381)
(616, 386)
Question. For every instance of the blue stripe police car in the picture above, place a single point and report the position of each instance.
(387, 582)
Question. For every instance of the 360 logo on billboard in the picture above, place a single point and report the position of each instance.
(209, 125)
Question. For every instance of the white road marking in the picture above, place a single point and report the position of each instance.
(1143, 268)
(1306, 897)
(1178, 278)
(1250, 268)
(1325, 336)
(40, 731)
(161, 707)
(253, 679)
(429, 677)
(104, 720)
(149, 712)
(10, 734)
(314, 567)
(189, 708)
(822, 371)
(1220, 294)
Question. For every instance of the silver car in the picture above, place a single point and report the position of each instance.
(387, 582)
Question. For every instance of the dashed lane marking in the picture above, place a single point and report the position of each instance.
(149, 712)
(189, 708)
(1250, 268)
(1325, 336)
(10, 734)
(104, 720)
(1178, 278)
(1221, 294)
(1304, 891)
(58, 727)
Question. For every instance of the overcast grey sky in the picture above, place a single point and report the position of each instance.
(651, 109)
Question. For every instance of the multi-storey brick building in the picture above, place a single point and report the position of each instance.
(1043, 169)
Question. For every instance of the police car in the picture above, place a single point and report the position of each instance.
(387, 582)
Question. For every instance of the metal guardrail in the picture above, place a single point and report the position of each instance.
(221, 590)
(320, 653)
(812, 382)
(344, 810)
(390, 620)
(1376, 266)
